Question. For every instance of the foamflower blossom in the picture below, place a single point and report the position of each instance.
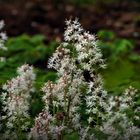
(3, 38)
(77, 102)
(16, 101)
(43, 124)
(117, 116)
(75, 61)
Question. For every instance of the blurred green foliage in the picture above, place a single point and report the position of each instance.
(25, 49)
(123, 63)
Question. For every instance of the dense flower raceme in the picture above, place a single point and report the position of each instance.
(116, 116)
(79, 85)
(77, 102)
(16, 101)
(3, 38)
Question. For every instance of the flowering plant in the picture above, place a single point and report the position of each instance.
(15, 101)
(77, 102)
(3, 38)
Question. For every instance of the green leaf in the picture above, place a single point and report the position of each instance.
(117, 75)
(37, 39)
(123, 46)
(72, 136)
(106, 35)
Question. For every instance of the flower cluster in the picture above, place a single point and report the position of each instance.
(3, 38)
(16, 101)
(79, 92)
(44, 123)
(76, 60)
(77, 102)
(117, 116)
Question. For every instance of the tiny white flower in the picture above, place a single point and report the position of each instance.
(16, 99)
(1, 24)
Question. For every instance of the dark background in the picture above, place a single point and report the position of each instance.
(47, 16)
